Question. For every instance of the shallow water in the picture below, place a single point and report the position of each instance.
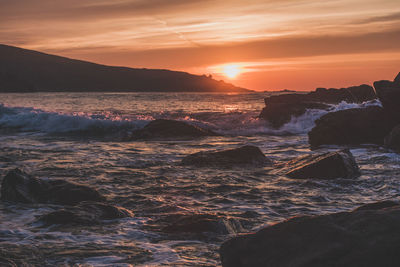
(77, 137)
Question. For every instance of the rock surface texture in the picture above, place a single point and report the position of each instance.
(351, 127)
(339, 164)
(18, 186)
(368, 237)
(245, 155)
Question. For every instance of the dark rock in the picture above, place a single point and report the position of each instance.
(278, 114)
(392, 140)
(351, 127)
(245, 155)
(170, 129)
(389, 94)
(18, 186)
(85, 213)
(279, 109)
(339, 164)
(199, 224)
(397, 79)
(365, 238)
(378, 205)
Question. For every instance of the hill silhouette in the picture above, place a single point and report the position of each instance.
(23, 70)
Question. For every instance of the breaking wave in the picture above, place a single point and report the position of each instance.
(111, 123)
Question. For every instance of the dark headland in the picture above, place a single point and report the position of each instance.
(23, 70)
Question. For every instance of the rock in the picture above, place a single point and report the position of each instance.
(278, 114)
(170, 129)
(85, 213)
(245, 155)
(392, 140)
(339, 164)
(363, 237)
(200, 224)
(280, 109)
(389, 94)
(397, 79)
(18, 186)
(351, 127)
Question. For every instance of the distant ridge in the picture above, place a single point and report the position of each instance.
(23, 70)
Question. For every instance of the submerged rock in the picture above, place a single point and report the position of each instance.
(245, 155)
(392, 140)
(170, 129)
(364, 237)
(339, 164)
(351, 127)
(199, 224)
(85, 213)
(18, 186)
(281, 108)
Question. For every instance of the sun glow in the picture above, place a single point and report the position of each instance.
(231, 71)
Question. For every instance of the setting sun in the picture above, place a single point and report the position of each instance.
(231, 71)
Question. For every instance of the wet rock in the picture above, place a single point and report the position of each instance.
(18, 186)
(278, 114)
(245, 155)
(339, 164)
(281, 108)
(359, 238)
(389, 94)
(170, 129)
(198, 224)
(392, 140)
(85, 213)
(351, 127)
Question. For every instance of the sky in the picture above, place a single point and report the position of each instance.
(256, 44)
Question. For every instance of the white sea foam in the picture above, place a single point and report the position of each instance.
(232, 123)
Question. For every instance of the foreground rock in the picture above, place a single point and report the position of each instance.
(18, 186)
(389, 94)
(170, 129)
(392, 140)
(85, 213)
(281, 108)
(339, 164)
(365, 237)
(245, 155)
(352, 127)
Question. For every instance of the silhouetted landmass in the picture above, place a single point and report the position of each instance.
(23, 70)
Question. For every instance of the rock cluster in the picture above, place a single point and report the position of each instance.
(371, 125)
(83, 205)
(281, 108)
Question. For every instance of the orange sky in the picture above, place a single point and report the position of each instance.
(276, 44)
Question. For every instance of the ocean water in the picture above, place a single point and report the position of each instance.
(78, 137)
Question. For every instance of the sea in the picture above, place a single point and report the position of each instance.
(78, 137)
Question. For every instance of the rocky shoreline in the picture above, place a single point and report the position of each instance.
(366, 236)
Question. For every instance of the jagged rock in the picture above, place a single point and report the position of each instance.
(170, 129)
(339, 164)
(85, 213)
(280, 109)
(245, 155)
(351, 127)
(389, 94)
(18, 186)
(392, 140)
(364, 237)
